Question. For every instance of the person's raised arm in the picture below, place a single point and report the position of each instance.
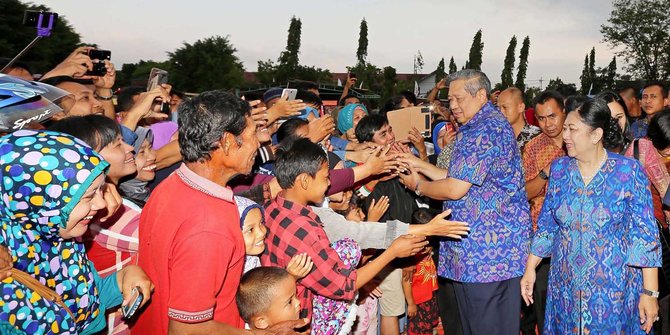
(103, 89)
(347, 85)
(432, 96)
(144, 107)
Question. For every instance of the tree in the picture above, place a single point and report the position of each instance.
(362, 51)
(592, 65)
(49, 51)
(418, 62)
(389, 83)
(136, 74)
(523, 65)
(476, 50)
(563, 88)
(638, 32)
(585, 78)
(439, 72)
(610, 74)
(207, 64)
(289, 60)
(508, 70)
(452, 66)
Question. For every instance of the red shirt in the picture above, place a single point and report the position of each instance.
(294, 229)
(191, 247)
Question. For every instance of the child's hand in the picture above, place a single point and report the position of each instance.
(377, 209)
(407, 245)
(299, 266)
(411, 310)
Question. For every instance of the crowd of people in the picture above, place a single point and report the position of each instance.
(153, 212)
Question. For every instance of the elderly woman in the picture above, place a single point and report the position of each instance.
(597, 226)
(51, 190)
(347, 120)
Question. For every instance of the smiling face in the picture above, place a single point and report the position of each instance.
(242, 150)
(254, 232)
(463, 105)
(384, 136)
(84, 102)
(120, 157)
(82, 214)
(145, 161)
(618, 114)
(579, 138)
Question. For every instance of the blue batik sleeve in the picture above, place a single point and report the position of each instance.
(642, 238)
(473, 156)
(543, 239)
(338, 143)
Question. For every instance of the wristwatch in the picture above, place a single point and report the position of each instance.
(653, 294)
(543, 175)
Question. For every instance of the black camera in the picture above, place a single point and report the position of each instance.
(98, 70)
(100, 54)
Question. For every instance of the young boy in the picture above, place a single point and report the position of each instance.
(267, 296)
(302, 173)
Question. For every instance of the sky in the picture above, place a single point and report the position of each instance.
(562, 32)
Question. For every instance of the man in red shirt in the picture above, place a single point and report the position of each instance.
(191, 245)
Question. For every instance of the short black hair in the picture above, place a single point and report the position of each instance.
(348, 96)
(204, 119)
(573, 102)
(664, 88)
(659, 129)
(393, 103)
(302, 156)
(17, 65)
(424, 215)
(124, 100)
(257, 290)
(547, 95)
(306, 85)
(289, 127)
(309, 98)
(181, 94)
(97, 131)
(410, 96)
(368, 125)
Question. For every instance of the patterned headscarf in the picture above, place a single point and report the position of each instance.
(44, 175)
(345, 118)
(436, 136)
(244, 206)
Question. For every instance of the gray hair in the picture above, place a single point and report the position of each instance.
(474, 81)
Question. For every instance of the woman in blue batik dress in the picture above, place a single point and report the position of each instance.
(597, 225)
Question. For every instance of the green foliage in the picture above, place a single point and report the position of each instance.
(476, 50)
(639, 32)
(523, 65)
(563, 88)
(452, 66)
(389, 82)
(49, 51)
(289, 60)
(136, 74)
(585, 77)
(362, 51)
(207, 64)
(508, 69)
(439, 72)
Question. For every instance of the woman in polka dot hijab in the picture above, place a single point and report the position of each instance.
(44, 175)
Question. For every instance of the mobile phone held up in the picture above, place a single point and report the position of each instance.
(156, 77)
(291, 93)
(100, 54)
(98, 57)
(135, 302)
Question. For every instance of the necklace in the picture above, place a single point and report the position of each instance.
(602, 162)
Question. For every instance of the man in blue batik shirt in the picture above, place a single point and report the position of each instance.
(484, 186)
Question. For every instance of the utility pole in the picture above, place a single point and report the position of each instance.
(541, 83)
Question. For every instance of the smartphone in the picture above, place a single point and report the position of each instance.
(100, 54)
(31, 18)
(130, 309)
(156, 77)
(290, 93)
(98, 70)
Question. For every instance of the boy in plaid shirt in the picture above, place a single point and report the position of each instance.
(302, 173)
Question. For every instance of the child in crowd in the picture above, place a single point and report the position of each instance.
(422, 309)
(302, 173)
(252, 222)
(267, 296)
